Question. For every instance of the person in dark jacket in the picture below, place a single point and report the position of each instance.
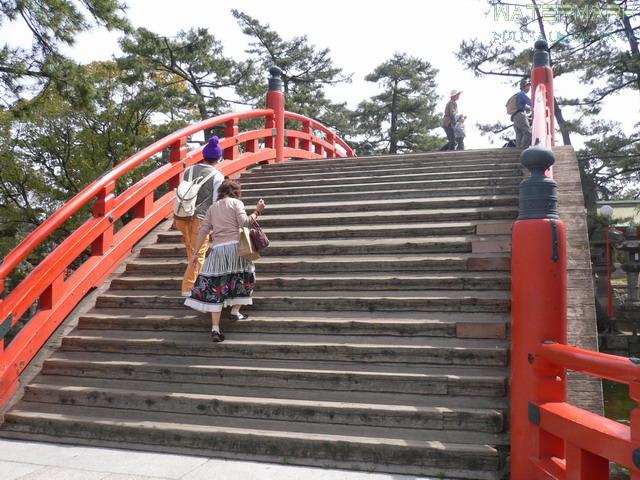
(520, 118)
(449, 120)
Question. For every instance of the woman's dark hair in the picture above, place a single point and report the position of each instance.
(229, 188)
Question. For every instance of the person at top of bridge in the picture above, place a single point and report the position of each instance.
(449, 119)
(520, 117)
(209, 179)
(459, 131)
(226, 279)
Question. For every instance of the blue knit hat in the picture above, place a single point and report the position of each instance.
(212, 150)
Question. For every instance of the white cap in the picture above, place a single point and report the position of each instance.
(455, 92)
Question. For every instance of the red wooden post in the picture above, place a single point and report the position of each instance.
(543, 73)
(102, 206)
(275, 101)
(50, 296)
(177, 154)
(305, 144)
(144, 207)
(584, 465)
(634, 417)
(251, 146)
(231, 130)
(331, 138)
(538, 313)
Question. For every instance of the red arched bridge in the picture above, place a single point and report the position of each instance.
(384, 336)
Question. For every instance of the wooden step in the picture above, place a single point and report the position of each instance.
(378, 301)
(317, 170)
(142, 430)
(362, 414)
(438, 324)
(329, 264)
(290, 347)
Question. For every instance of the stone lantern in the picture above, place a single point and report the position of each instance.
(629, 311)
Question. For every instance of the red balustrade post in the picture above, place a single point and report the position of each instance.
(144, 207)
(538, 313)
(102, 206)
(305, 144)
(542, 73)
(177, 154)
(275, 101)
(331, 138)
(231, 130)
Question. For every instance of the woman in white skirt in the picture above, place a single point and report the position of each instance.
(226, 279)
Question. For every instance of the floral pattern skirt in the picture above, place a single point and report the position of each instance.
(225, 279)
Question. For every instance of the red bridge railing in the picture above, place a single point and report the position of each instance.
(550, 438)
(57, 292)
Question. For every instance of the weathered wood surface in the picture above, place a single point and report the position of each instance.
(584, 391)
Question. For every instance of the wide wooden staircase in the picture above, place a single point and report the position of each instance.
(378, 339)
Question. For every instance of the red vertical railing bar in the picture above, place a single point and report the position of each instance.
(538, 293)
(292, 142)
(103, 204)
(305, 144)
(176, 154)
(331, 138)
(275, 101)
(231, 130)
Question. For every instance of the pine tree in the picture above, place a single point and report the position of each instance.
(399, 118)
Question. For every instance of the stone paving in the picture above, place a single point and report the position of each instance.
(21, 460)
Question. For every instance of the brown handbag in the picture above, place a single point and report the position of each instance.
(258, 237)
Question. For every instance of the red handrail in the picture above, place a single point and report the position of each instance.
(58, 294)
(550, 438)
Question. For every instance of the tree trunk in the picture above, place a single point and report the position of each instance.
(562, 123)
(633, 45)
(393, 142)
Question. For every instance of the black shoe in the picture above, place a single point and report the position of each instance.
(217, 337)
(234, 318)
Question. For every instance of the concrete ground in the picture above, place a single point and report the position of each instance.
(21, 460)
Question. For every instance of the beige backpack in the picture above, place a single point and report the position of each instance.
(512, 104)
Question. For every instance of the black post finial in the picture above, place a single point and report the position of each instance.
(275, 80)
(541, 54)
(538, 193)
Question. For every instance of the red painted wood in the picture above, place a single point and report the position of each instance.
(47, 281)
(275, 102)
(588, 431)
(584, 465)
(538, 314)
(612, 367)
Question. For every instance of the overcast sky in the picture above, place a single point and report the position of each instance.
(360, 36)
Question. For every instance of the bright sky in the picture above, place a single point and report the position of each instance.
(360, 36)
